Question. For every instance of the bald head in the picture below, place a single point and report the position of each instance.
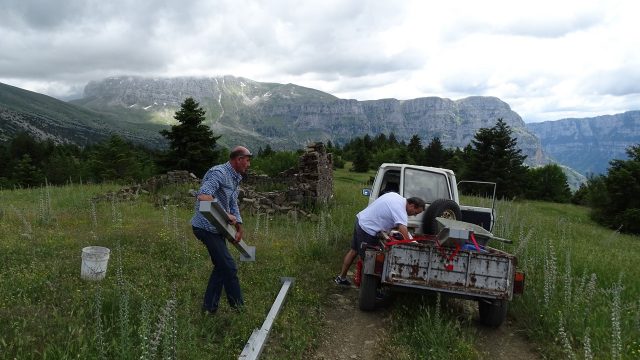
(239, 151)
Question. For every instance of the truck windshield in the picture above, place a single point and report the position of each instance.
(428, 186)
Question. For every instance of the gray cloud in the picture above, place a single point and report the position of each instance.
(616, 82)
(354, 48)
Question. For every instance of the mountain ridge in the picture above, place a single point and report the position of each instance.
(47, 118)
(588, 144)
(288, 116)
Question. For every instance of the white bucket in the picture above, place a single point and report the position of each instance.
(94, 262)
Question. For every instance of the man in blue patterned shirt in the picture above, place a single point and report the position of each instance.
(221, 183)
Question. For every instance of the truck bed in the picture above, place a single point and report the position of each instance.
(469, 274)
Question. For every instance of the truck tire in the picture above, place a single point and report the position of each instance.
(367, 298)
(445, 208)
(492, 313)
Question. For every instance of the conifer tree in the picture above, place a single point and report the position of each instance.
(495, 157)
(27, 174)
(380, 142)
(414, 148)
(192, 145)
(435, 154)
(361, 157)
(615, 197)
(548, 183)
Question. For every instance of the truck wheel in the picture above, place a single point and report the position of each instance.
(368, 286)
(444, 208)
(492, 313)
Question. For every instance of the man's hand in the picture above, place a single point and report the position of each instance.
(404, 231)
(239, 232)
(205, 197)
(232, 219)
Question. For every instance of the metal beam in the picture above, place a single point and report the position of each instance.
(253, 347)
(218, 217)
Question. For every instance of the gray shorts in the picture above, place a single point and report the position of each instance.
(360, 237)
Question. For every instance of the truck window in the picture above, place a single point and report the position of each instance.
(390, 182)
(426, 185)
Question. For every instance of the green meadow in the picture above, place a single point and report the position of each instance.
(581, 300)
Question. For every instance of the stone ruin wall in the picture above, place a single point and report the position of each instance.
(310, 184)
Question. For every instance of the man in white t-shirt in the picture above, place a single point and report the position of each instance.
(389, 211)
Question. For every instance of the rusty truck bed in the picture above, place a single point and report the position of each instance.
(465, 273)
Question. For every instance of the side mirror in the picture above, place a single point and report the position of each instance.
(366, 192)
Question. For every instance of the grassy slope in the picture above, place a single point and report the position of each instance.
(73, 117)
(46, 310)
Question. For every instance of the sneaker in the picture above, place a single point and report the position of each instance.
(342, 281)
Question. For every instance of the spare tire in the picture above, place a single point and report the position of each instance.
(444, 208)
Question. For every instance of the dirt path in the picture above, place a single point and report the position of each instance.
(351, 334)
(504, 343)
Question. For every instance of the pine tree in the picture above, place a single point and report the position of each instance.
(435, 154)
(380, 143)
(615, 198)
(192, 145)
(361, 157)
(548, 183)
(5, 160)
(414, 148)
(118, 160)
(27, 174)
(392, 140)
(495, 157)
(268, 151)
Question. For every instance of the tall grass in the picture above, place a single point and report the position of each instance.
(148, 306)
(581, 296)
(582, 282)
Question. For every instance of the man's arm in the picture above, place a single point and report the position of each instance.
(404, 231)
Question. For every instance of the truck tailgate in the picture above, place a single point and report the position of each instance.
(426, 266)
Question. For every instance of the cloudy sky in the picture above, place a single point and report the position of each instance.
(547, 59)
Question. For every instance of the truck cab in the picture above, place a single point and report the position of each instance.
(430, 184)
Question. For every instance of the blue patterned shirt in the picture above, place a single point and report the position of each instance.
(221, 181)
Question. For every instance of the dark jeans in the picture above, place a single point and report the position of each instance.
(224, 273)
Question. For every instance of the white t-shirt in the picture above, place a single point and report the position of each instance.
(385, 213)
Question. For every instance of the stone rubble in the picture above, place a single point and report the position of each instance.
(308, 185)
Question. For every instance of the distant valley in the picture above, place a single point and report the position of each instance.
(287, 116)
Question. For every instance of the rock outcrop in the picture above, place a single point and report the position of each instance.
(587, 145)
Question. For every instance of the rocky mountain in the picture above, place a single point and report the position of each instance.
(47, 118)
(287, 116)
(588, 144)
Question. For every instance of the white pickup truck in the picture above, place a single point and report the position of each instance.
(437, 187)
(437, 262)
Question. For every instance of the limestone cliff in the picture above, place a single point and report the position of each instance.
(291, 116)
(588, 144)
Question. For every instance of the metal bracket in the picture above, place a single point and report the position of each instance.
(253, 347)
(218, 217)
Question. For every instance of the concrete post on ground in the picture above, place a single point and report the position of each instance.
(253, 347)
